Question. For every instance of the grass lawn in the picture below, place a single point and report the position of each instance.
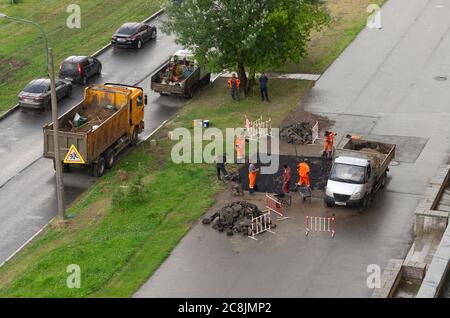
(123, 230)
(128, 223)
(348, 19)
(22, 52)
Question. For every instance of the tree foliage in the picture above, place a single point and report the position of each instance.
(247, 35)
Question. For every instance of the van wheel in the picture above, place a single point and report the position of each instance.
(110, 158)
(98, 168)
(84, 80)
(364, 204)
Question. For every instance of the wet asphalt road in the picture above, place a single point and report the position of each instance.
(27, 192)
(383, 84)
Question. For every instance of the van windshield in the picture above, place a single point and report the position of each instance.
(347, 173)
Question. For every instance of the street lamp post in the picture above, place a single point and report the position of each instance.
(51, 74)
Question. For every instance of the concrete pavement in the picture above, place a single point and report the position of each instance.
(387, 82)
(27, 192)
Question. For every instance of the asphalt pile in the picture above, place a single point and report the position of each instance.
(298, 133)
(234, 218)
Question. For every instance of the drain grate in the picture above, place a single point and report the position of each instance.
(441, 78)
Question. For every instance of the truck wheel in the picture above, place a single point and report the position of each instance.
(98, 168)
(65, 167)
(135, 137)
(207, 79)
(110, 158)
(383, 181)
(327, 204)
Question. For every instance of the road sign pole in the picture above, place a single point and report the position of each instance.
(58, 164)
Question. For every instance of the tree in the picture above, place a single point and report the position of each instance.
(247, 35)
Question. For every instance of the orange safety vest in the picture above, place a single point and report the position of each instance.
(303, 169)
(230, 82)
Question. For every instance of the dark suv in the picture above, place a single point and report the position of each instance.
(80, 68)
(133, 35)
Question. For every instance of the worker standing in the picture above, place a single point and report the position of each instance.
(233, 84)
(286, 188)
(252, 172)
(263, 79)
(304, 172)
(220, 165)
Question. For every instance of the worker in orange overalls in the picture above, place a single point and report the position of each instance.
(286, 187)
(303, 172)
(233, 84)
(239, 145)
(252, 172)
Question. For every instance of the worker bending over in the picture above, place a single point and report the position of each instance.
(303, 172)
(252, 172)
(328, 143)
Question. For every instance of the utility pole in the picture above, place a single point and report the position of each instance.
(51, 74)
(58, 165)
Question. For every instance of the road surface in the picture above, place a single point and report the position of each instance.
(389, 82)
(27, 191)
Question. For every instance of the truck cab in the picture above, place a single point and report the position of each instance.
(349, 181)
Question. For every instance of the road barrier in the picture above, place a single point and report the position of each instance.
(315, 133)
(258, 128)
(276, 206)
(260, 225)
(320, 224)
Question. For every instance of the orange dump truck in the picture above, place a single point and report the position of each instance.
(109, 118)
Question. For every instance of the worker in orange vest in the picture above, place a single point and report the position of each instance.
(239, 145)
(233, 84)
(328, 143)
(303, 172)
(252, 172)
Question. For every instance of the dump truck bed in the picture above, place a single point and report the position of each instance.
(107, 119)
(182, 89)
(380, 154)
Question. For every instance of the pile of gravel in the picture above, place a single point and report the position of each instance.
(234, 218)
(298, 134)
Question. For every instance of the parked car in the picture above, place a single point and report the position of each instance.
(133, 35)
(80, 68)
(37, 93)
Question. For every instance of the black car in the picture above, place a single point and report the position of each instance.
(133, 35)
(80, 68)
(37, 93)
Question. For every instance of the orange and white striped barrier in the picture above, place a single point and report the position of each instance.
(260, 224)
(320, 224)
(275, 206)
(258, 128)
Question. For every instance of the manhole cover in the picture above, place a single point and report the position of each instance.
(441, 78)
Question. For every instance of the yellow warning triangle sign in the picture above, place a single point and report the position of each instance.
(73, 156)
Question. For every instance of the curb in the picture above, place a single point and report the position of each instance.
(95, 54)
(9, 112)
